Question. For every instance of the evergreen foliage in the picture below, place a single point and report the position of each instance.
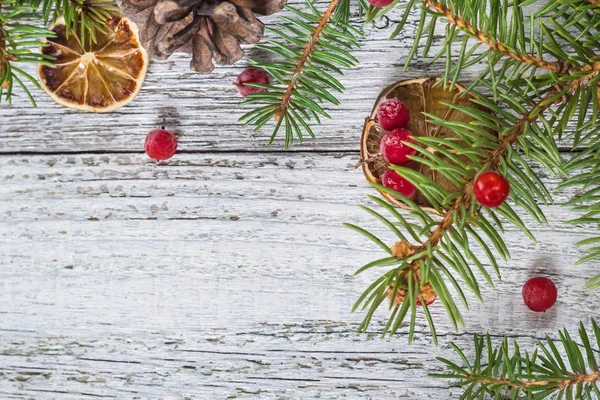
(311, 49)
(500, 372)
(542, 72)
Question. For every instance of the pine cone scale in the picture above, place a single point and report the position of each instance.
(174, 42)
(227, 18)
(170, 11)
(269, 7)
(228, 48)
(201, 51)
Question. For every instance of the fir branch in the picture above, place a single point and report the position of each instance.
(81, 17)
(503, 32)
(493, 44)
(16, 39)
(421, 265)
(497, 371)
(311, 49)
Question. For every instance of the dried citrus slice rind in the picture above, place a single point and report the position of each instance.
(419, 95)
(99, 76)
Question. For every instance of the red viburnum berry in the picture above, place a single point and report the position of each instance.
(539, 294)
(160, 144)
(392, 114)
(394, 149)
(380, 3)
(491, 189)
(251, 75)
(391, 179)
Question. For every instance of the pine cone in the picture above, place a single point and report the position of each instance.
(207, 29)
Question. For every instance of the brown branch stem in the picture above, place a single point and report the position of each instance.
(304, 58)
(553, 66)
(523, 384)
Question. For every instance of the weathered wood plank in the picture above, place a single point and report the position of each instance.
(316, 359)
(220, 275)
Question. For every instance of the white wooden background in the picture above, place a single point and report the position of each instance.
(225, 272)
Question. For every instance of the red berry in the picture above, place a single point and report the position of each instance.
(160, 144)
(539, 294)
(392, 114)
(251, 75)
(394, 149)
(380, 3)
(491, 189)
(391, 179)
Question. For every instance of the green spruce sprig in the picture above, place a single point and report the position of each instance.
(16, 40)
(83, 17)
(500, 372)
(521, 121)
(434, 252)
(584, 18)
(311, 49)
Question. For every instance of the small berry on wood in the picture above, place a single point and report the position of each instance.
(539, 294)
(251, 75)
(160, 144)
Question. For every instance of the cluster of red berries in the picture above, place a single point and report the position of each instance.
(393, 115)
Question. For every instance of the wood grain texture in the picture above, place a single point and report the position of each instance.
(226, 276)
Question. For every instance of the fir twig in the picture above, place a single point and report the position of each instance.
(311, 50)
(422, 265)
(446, 248)
(16, 38)
(497, 371)
(81, 17)
(492, 43)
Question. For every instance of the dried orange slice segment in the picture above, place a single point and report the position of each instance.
(419, 95)
(98, 76)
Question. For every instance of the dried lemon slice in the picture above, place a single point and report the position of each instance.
(96, 76)
(419, 95)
